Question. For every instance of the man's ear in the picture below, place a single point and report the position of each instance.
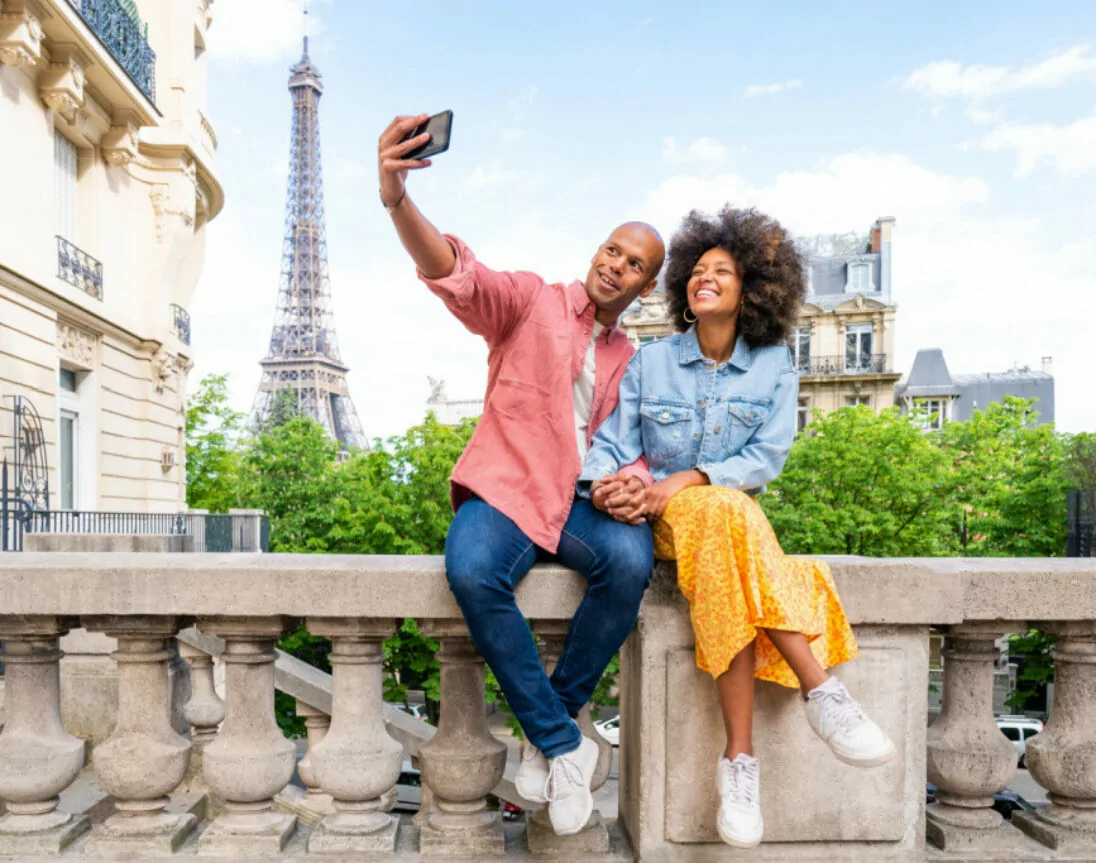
(651, 285)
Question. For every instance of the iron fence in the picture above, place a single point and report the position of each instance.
(212, 532)
(1081, 523)
(118, 26)
(78, 268)
(842, 365)
(181, 323)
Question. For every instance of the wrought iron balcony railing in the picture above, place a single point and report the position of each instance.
(119, 28)
(79, 268)
(842, 365)
(181, 326)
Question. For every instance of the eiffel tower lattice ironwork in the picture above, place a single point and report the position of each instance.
(303, 373)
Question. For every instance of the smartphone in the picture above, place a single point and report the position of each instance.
(439, 126)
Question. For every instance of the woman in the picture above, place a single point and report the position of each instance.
(713, 408)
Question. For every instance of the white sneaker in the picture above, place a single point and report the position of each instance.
(567, 788)
(532, 774)
(739, 785)
(842, 724)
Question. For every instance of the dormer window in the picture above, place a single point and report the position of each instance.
(859, 279)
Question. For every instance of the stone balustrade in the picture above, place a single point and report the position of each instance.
(157, 607)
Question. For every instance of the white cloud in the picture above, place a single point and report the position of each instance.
(964, 278)
(260, 31)
(701, 150)
(767, 89)
(952, 79)
(511, 135)
(983, 117)
(1071, 149)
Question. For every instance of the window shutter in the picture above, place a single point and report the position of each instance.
(64, 184)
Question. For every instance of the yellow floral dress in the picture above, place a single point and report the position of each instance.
(739, 582)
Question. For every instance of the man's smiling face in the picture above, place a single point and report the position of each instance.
(626, 266)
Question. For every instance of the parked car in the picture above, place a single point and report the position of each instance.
(1006, 801)
(609, 729)
(416, 710)
(1019, 729)
(408, 789)
(511, 812)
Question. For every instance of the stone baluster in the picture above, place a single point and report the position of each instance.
(594, 838)
(250, 761)
(1063, 757)
(144, 759)
(357, 762)
(462, 763)
(38, 758)
(969, 759)
(316, 725)
(204, 710)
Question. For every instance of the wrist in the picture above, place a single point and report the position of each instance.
(399, 200)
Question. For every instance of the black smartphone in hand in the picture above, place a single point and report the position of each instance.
(439, 126)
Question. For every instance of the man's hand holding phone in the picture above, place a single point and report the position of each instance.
(392, 162)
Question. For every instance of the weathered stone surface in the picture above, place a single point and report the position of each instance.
(544, 843)
(331, 839)
(102, 543)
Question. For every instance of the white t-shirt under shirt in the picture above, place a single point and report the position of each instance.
(582, 391)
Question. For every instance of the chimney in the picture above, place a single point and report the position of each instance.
(876, 244)
(1048, 365)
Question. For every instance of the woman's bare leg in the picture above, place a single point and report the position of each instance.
(796, 650)
(736, 698)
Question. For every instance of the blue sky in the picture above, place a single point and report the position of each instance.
(973, 124)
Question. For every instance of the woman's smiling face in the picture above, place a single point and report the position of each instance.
(715, 287)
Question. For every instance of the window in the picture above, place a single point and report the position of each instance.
(67, 380)
(857, 400)
(859, 279)
(801, 350)
(67, 459)
(64, 186)
(1012, 734)
(802, 414)
(858, 346)
(935, 410)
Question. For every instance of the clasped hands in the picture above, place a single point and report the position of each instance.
(628, 500)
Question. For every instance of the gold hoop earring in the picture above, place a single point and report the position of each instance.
(685, 315)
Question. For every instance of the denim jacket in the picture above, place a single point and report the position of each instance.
(734, 422)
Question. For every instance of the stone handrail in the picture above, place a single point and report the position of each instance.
(815, 807)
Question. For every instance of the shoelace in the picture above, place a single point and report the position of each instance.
(744, 781)
(842, 708)
(562, 768)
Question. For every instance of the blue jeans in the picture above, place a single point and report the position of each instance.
(486, 555)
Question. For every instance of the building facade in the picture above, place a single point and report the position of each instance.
(843, 345)
(943, 397)
(108, 182)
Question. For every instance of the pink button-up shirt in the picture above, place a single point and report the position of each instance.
(523, 458)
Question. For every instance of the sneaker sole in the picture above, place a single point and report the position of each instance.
(874, 761)
(730, 840)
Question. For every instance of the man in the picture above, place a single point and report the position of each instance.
(554, 367)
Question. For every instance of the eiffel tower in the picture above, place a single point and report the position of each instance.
(302, 373)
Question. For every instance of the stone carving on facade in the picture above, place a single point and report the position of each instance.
(163, 206)
(61, 83)
(168, 369)
(75, 345)
(119, 144)
(20, 36)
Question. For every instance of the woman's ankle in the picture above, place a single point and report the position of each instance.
(732, 752)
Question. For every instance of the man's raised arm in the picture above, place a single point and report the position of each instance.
(425, 244)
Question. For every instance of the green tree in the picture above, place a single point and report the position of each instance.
(212, 447)
(862, 483)
(1080, 467)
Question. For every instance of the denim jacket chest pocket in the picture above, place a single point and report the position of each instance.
(744, 417)
(666, 428)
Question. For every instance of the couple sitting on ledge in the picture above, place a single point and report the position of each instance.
(602, 458)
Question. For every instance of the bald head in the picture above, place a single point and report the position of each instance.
(626, 266)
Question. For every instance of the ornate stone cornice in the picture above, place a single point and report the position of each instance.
(119, 143)
(168, 366)
(20, 36)
(76, 345)
(61, 83)
(163, 206)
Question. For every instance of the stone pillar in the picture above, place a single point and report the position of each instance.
(594, 837)
(316, 724)
(144, 759)
(969, 759)
(462, 763)
(1063, 758)
(357, 762)
(246, 526)
(38, 758)
(249, 761)
(204, 710)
